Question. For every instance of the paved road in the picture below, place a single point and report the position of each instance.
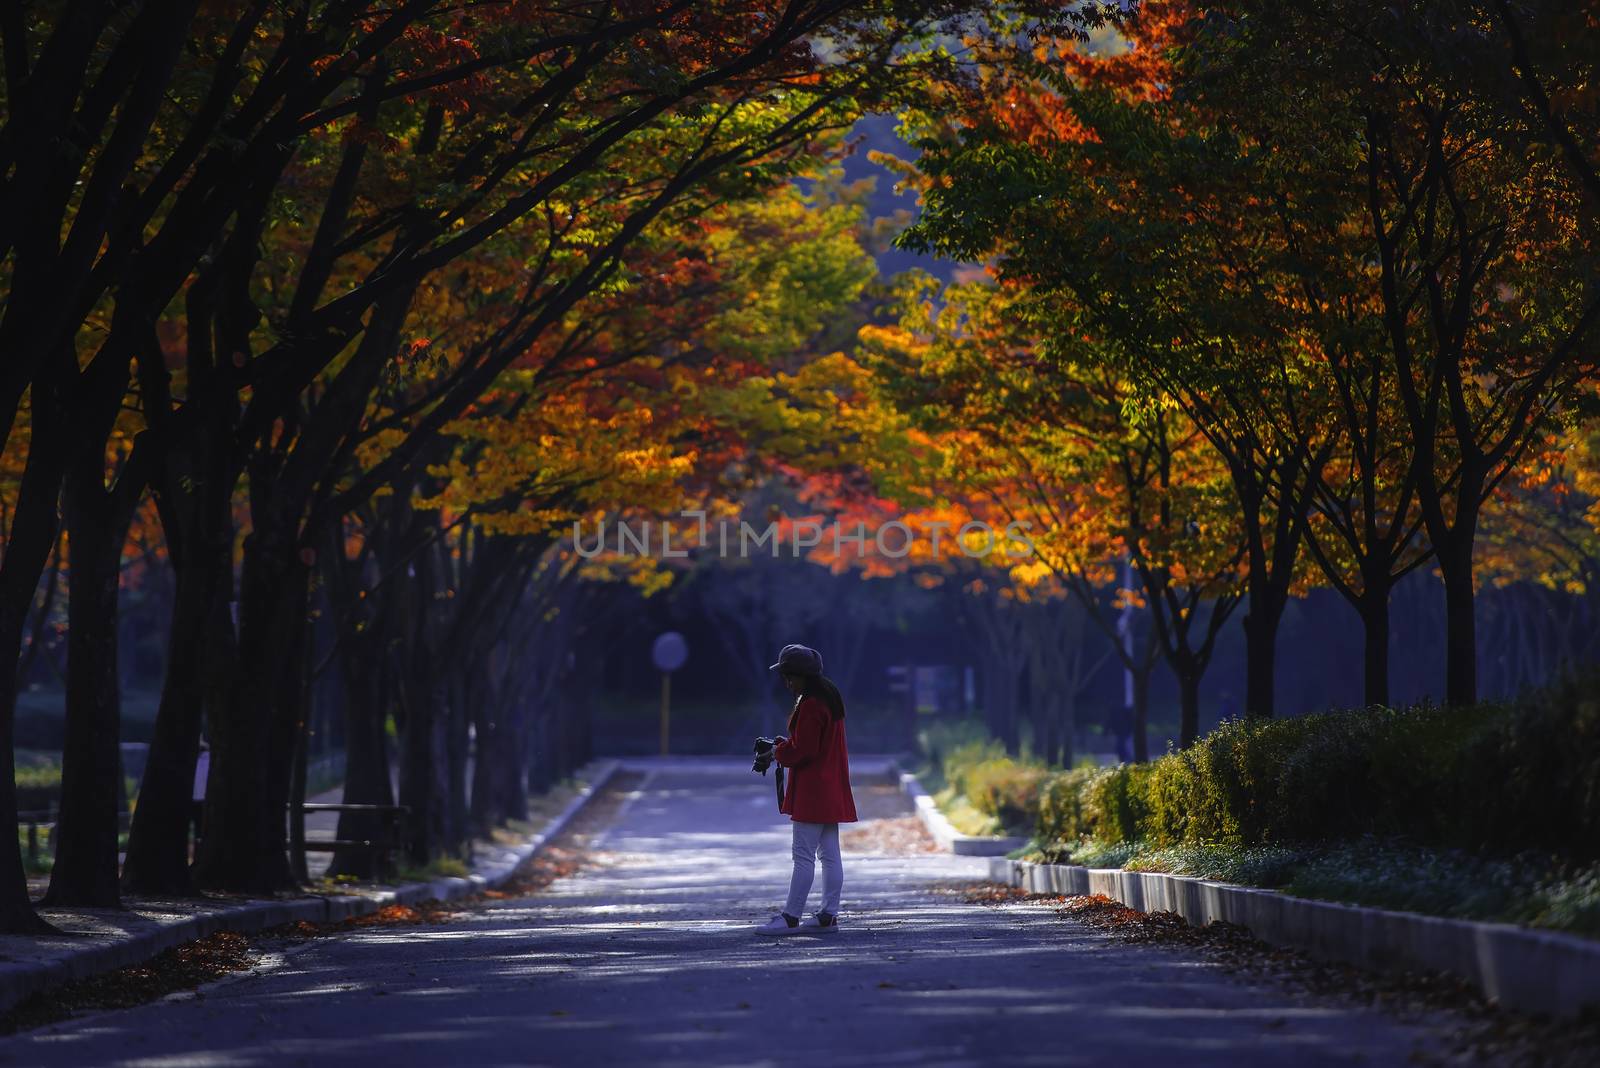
(650, 959)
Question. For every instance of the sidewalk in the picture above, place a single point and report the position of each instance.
(99, 940)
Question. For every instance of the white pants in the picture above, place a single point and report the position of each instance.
(812, 840)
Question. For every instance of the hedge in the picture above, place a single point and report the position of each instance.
(1500, 778)
(978, 769)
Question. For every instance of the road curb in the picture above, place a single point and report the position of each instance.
(19, 980)
(966, 845)
(1517, 967)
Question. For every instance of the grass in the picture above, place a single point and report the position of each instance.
(1535, 890)
(441, 868)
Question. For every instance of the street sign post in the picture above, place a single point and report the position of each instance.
(668, 654)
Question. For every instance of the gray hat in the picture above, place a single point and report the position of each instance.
(799, 660)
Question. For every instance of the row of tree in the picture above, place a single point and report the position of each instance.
(1279, 295)
(348, 308)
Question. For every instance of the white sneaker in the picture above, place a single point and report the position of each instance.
(779, 925)
(821, 923)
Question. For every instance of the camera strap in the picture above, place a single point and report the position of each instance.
(778, 780)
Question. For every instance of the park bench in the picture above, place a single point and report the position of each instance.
(47, 818)
(33, 821)
(379, 847)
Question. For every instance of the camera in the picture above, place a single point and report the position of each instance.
(763, 751)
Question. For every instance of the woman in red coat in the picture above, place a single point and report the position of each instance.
(818, 796)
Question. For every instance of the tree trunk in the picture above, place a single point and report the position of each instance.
(297, 812)
(511, 724)
(486, 808)
(1141, 716)
(366, 764)
(513, 777)
(458, 835)
(1048, 727)
(1188, 706)
(1460, 633)
(540, 773)
(245, 848)
(1261, 651)
(422, 769)
(199, 650)
(1374, 610)
(85, 870)
(33, 532)
(1066, 728)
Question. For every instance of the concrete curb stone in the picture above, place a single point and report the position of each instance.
(20, 979)
(1520, 968)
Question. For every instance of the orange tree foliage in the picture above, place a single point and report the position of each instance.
(1056, 443)
(717, 303)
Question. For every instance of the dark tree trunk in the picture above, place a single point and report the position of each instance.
(539, 779)
(1066, 729)
(297, 812)
(16, 909)
(200, 654)
(510, 730)
(1141, 715)
(422, 759)
(1188, 706)
(1009, 733)
(1374, 610)
(513, 777)
(457, 823)
(85, 870)
(1261, 651)
(297, 698)
(366, 766)
(1049, 739)
(34, 526)
(1461, 639)
(245, 848)
(486, 808)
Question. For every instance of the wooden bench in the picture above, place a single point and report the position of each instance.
(380, 847)
(33, 821)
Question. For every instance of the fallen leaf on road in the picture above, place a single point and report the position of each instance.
(183, 967)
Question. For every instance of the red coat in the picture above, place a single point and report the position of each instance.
(819, 766)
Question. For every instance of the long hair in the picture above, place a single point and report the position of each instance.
(822, 688)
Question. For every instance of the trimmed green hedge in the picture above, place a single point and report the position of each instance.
(1108, 805)
(1496, 778)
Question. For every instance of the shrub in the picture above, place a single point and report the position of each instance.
(1493, 777)
(1118, 805)
(1107, 805)
(1006, 789)
(959, 761)
(1062, 800)
(40, 777)
(1531, 778)
(38, 785)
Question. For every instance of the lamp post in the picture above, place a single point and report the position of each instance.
(668, 654)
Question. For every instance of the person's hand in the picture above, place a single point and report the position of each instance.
(763, 751)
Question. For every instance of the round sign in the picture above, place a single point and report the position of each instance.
(669, 651)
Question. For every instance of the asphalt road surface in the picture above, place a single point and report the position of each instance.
(650, 958)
